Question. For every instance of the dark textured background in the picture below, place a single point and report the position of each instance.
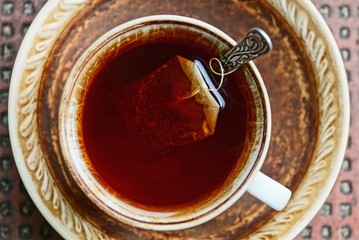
(339, 216)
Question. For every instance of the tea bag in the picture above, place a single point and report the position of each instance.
(168, 108)
(173, 106)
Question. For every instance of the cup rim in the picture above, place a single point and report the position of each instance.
(70, 152)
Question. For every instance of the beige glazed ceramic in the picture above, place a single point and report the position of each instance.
(304, 74)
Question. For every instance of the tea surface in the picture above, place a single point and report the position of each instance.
(182, 176)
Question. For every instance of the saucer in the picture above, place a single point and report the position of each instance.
(304, 76)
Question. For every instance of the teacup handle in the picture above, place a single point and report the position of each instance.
(270, 192)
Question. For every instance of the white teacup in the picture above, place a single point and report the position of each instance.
(243, 177)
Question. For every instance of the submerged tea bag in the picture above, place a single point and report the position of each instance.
(172, 106)
(168, 108)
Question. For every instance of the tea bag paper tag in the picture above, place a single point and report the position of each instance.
(168, 108)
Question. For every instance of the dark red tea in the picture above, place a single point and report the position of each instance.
(182, 176)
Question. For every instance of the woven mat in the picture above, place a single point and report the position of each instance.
(339, 216)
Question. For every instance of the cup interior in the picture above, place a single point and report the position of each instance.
(130, 35)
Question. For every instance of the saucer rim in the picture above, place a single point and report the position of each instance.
(283, 7)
